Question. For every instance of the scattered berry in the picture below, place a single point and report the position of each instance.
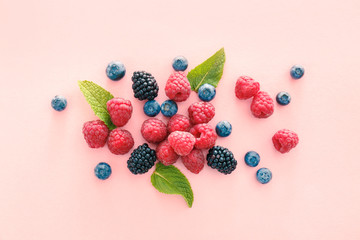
(180, 63)
(120, 111)
(144, 86)
(262, 105)
(283, 98)
(177, 87)
(221, 159)
(297, 71)
(166, 154)
(252, 158)
(153, 130)
(263, 175)
(115, 70)
(169, 108)
(102, 171)
(59, 103)
(205, 136)
(120, 141)
(195, 161)
(284, 140)
(182, 142)
(178, 122)
(201, 112)
(95, 133)
(142, 159)
(151, 108)
(223, 128)
(206, 92)
(246, 87)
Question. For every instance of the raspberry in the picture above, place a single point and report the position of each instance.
(246, 87)
(221, 159)
(177, 87)
(166, 154)
(205, 136)
(153, 130)
(95, 133)
(144, 86)
(142, 159)
(195, 161)
(178, 122)
(182, 142)
(201, 112)
(120, 141)
(120, 111)
(262, 105)
(284, 140)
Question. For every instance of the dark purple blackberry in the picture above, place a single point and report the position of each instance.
(221, 159)
(144, 86)
(142, 159)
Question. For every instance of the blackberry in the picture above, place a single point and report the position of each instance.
(144, 86)
(222, 159)
(142, 159)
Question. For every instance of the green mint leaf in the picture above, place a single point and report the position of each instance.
(169, 180)
(97, 97)
(209, 71)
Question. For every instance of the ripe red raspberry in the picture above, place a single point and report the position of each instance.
(262, 105)
(201, 112)
(178, 122)
(177, 87)
(195, 161)
(95, 133)
(120, 111)
(153, 130)
(166, 154)
(246, 87)
(120, 141)
(205, 136)
(182, 142)
(284, 140)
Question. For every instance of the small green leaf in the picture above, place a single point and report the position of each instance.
(169, 180)
(97, 97)
(209, 71)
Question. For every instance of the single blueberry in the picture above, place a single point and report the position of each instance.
(169, 108)
(283, 98)
(152, 108)
(59, 103)
(102, 171)
(115, 70)
(252, 158)
(180, 63)
(207, 92)
(223, 128)
(297, 71)
(263, 175)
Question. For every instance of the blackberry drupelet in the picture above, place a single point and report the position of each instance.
(222, 159)
(142, 159)
(144, 86)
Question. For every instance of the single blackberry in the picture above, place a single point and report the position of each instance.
(222, 159)
(144, 86)
(142, 159)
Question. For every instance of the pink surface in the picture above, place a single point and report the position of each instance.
(48, 189)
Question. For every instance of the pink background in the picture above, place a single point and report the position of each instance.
(48, 188)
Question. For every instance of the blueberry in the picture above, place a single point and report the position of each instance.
(252, 158)
(297, 71)
(223, 128)
(180, 63)
(102, 171)
(263, 175)
(59, 103)
(207, 92)
(283, 98)
(151, 108)
(115, 70)
(169, 108)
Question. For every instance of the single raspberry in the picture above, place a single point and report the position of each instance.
(178, 122)
(120, 141)
(182, 142)
(177, 87)
(95, 133)
(153, 130)
(205, 136)
(120, 111)
(246, 87)
(166, 154)
(201, 112)
(195, 161)
(262, 105)
(284, 140)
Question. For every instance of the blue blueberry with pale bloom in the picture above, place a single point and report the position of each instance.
(180, 63)
(102, 171)
(115, 70)
(263, 175)
(152, 108)
(297, 71)
(252, 158)
(206, 92)
(223, 128)
(169, 108)
(59, 103)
